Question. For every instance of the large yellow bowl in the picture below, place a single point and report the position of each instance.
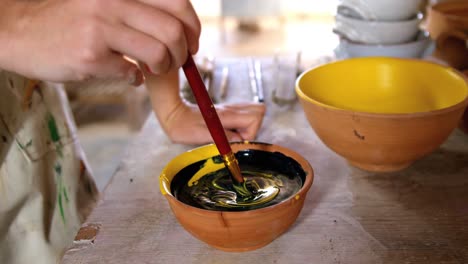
(382, 114)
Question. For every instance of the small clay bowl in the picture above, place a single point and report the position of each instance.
(447, 23)
(382, 113)
(447, 16)
(452, 48)
(464, 121)
(239, 230)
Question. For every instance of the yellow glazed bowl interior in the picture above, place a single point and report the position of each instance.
(234, 231)
(383, 85)
(382, 114)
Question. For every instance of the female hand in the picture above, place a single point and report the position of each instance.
(72, 40)
(184, 123)
(241, 121)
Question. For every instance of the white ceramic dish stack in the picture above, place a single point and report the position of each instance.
(381, 10)
(380, 28)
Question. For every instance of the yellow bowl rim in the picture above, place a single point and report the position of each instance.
(462, 103)
(303, 190)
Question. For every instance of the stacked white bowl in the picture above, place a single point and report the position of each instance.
(380, 28)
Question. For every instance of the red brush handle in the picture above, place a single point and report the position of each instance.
(206, 106)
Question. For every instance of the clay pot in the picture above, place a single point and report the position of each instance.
(446, 17)
(464, 121)
(241, 230)
(447, 23)
(451, 47)
(382, 114)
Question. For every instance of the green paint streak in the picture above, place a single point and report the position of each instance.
(58, 169)
(60, 189)
(62, 213)
(65, 195)
(19, 145)
(29, 143)
(52, 125)
(217, 159)
(54, 134)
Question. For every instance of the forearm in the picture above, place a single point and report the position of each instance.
(164, 94)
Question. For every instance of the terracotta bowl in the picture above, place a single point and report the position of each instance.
(447, 23)
(447, 16)
(452, 48)
(464, 120)
(240, 230)
(382, 113)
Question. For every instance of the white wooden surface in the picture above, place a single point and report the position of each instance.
(418, 215)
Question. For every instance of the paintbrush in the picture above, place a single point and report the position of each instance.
(211, 118)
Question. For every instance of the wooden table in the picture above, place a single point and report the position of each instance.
(418, 215)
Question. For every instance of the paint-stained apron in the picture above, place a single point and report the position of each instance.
(46, 190)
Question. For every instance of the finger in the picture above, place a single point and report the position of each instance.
(115, 66)
(246, 125)
(250, 133)
(235, 119)
(159, 25)
(184, 11)
(233, 135)
(246, 107)
(138, 46)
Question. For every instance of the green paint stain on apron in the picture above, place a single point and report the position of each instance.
(53, 130)
(62, 213)
(58, 169)
(60, 191)
(23, 147)
(29, 143)
(54, 133)
(65, 195)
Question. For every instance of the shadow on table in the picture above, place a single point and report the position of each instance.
(422, 210)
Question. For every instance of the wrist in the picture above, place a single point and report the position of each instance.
(164, 94)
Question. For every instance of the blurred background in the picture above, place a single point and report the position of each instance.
(109, 113)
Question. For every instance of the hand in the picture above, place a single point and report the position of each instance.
(185, 123)
(73, 40)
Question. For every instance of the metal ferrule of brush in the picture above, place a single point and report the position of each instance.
(233, 166)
